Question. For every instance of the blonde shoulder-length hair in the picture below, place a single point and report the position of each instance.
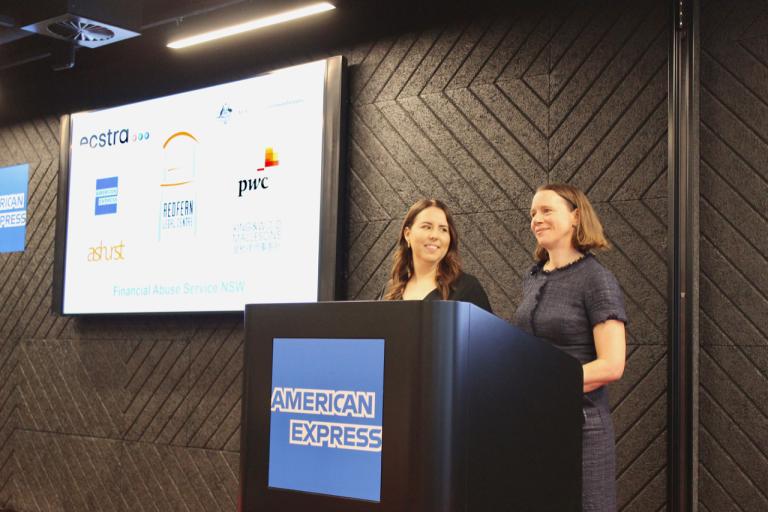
(588, 234)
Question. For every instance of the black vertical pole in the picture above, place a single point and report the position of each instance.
(682, 186)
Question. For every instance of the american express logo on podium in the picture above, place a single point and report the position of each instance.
(326, 430)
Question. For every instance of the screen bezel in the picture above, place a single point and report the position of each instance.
(331, 190)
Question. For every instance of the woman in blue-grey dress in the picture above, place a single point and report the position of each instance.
(575, 303)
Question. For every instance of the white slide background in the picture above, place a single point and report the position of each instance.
(255, 248)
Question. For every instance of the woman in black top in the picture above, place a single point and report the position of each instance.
(574, 302)
(426, 263)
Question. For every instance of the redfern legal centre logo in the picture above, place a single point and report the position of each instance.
(178, 195)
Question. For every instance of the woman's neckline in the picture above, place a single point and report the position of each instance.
(564, 267)
(433, 290)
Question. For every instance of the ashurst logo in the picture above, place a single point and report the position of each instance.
(103, 252)
(112, 138)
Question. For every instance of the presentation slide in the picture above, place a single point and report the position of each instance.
(200, 201)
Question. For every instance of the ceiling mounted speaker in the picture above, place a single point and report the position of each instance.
(81, 31)
(89, 23)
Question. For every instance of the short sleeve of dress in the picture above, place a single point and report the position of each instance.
(476, 295)
(604, 299)
(468, 289)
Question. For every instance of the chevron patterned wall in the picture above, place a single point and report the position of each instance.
(734, 249)
(143, 413)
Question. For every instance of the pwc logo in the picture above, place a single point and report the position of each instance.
(270, 159)
(111, 138)
(259, 182)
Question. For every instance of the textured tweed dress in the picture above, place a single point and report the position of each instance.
(561, 307)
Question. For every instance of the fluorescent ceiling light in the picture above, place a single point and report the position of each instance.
(252, 25)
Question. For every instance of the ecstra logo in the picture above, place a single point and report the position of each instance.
(112, 138)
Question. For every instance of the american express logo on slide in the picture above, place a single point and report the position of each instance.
(106, 196)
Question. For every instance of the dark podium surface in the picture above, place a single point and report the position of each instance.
(477, 415)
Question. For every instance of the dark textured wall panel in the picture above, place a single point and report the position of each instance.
(70, 387)
(640, 417)
(734, 252)
(8, 414)
(599, 109)
(62, 472)
(58, 472)
(143, 413)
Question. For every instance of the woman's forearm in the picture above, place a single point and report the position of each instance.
(611, 348)
(600, 372)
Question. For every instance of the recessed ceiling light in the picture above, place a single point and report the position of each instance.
(252, 25)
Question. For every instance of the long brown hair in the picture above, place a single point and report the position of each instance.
(588, 234)
(448, 269)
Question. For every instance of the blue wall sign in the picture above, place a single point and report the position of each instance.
(13, 207)
(326, 430)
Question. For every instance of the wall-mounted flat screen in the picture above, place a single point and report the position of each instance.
(203, 201)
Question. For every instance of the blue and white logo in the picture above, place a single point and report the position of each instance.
(13, 207)
(106, 195)
(326, 430)
(225, 112)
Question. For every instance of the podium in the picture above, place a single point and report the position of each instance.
(405, 406)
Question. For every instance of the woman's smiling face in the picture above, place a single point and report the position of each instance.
(429, 235)
(553, 220)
